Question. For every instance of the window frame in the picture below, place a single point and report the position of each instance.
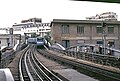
(110, 31)
(80, 29)
(65, 29)
(99, 31)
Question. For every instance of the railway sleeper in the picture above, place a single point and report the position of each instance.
(106, 73)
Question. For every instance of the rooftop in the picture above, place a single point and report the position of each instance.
(84, 21)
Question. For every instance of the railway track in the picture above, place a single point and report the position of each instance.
(112, 76)
(31, 69)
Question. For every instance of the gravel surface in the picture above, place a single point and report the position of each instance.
(52, 65)
(69, 74)
(13, 66)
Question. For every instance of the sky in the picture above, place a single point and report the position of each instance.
(13, 11)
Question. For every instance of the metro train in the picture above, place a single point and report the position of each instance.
(31, 40)
(39, 42)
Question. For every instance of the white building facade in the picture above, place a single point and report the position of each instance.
(29, 27)
(32, 26)
(107, 16)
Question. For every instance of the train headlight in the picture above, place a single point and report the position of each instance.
(40, 42)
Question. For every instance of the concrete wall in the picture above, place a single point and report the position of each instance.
(90, 35)
(6, 38)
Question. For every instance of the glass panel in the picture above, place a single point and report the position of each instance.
(80, 29)
(99, 30)
(66, 43)
(65, 29)
(110, 30)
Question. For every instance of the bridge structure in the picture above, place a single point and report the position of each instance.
(78, 57)
(92, 53)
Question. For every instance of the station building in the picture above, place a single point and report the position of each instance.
(73, 32)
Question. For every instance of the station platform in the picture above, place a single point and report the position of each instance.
(73, 75)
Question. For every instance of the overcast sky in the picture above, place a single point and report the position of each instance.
(13, 11)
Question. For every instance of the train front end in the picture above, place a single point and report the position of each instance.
(40, 42)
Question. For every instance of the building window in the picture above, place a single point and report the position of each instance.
(110, 30)
(99, 29)
(65, 29)
(80, 29)
(100, 42)
(47, 29)
(66, 43)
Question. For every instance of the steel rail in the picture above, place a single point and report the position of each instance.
(43, 74)
(34, 69)
(20, 69)
(20, 65)
(26, 66)
(45, 70)
(74, 63)
(30, 69)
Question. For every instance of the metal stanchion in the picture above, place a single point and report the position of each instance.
(104, 36)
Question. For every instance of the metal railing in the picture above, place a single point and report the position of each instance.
(93, 57)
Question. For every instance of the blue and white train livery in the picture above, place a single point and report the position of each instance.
(40, 42)
(32, 40)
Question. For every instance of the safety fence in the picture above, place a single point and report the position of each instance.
(92, 57)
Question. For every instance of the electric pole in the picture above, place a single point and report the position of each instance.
(104, 36)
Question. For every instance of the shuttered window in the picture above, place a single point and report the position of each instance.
(80, 29)
(65, 29)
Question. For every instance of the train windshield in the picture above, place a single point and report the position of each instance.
(40, 39)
